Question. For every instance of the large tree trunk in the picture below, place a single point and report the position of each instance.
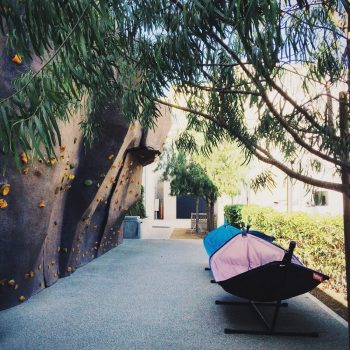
(344, 133)
(197, 214)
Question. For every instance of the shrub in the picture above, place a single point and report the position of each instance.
(233, 215)
(320, 239)
(138, 209)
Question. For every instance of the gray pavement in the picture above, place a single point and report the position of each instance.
(153, 294)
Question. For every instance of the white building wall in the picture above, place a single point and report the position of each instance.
(169, 203)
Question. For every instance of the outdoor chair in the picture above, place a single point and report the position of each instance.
(254, 268)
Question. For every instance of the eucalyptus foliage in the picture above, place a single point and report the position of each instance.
(223, 56)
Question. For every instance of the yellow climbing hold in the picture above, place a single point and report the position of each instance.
(52, 161)
(71, 177)
(22, 298)
(42, 204)
(5, 189)
(3, 204)
(25, 171)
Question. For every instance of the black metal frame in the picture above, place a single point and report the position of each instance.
(278, 304)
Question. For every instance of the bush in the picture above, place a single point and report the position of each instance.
(138, 209)
(320, 239)
(233, 215)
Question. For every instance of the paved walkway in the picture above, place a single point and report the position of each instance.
(152, 294)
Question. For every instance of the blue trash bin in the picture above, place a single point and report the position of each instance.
(132, 227)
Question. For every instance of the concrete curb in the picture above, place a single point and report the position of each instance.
(328, 310)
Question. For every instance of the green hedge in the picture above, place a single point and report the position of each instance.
(233, 215)
(320, 239)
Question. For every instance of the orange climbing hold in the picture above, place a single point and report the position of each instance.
(24, 158)
(42, 204)
(17, 59)
(3, 204)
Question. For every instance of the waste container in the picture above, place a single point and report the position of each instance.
(132, 227)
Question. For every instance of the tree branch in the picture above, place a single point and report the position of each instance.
(261, 153)
(273, 110)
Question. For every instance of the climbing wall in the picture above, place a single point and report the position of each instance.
(59, 214)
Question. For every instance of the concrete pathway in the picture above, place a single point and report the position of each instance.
(153, 294)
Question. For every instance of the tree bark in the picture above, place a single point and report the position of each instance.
(344, 133)
(197, 214)
(208, 216)
(211, 210)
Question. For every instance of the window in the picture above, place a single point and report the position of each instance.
(185, 205)
(320, 198)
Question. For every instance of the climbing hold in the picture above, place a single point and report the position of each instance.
(71, 177)
(69, 269)
(42, 204)
(37, 173)
(17, 59)
(3, 204)
(25, 171)
(111, 156)
(16, 287)
(5, 189)
(62, 148)
(39, 267)
(24, 158)
(88, 182)
(52, 161)
(3, 281)
(32, 274)
(11, 283)
(22, 298)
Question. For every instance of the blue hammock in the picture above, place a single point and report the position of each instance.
(215, 239)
